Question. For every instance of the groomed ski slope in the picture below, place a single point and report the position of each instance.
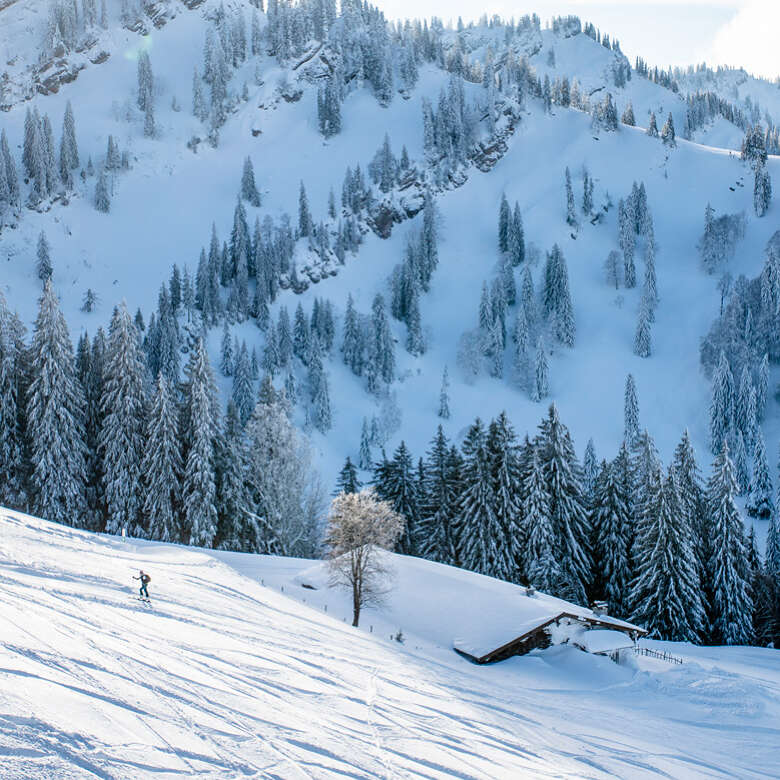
(224, 677)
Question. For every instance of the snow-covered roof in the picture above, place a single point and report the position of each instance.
(498, 625)
(600, 640)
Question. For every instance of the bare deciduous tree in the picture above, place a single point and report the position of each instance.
(360, 527)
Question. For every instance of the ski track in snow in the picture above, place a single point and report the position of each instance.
(223, 677)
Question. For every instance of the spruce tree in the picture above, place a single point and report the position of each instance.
(55, 414)
(502, 453)
(762, 387)
(745, 408)
(759, 502)
(611, 528)
(353, 346)
(540, 382)
(242, 392)
(741, 466)
(479, 532)
(571, 211)
(248, 188)
(590, 472)
(304, 215)
(395, 483)
(436, 535)
(161, 466)
(722, 404)
(642, 338)
(237, 526)
(567, 509)
(69, 152)
(200, 432)
(227, 358)
(348, 481)
(365, 460)
(627, 241)
(732, 605)
(122, 434)
(667, 132)
(693, 506)
(665, 591)
(102, 194)
(630, 412)
(541, 565)
(762, 190)
(504, 222)
(12, 369)
(652, 127)
(44, 266)
(516, 238)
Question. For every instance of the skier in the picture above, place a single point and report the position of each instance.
(145, 580)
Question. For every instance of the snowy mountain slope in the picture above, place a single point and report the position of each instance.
(163, 207)
(224, 677)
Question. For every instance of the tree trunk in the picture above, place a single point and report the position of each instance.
(355, 607)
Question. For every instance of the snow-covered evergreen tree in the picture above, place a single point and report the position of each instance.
(627, 240)
(630, 412)
(540, 562)
(732, 605)
(516, 238)
(479, 532)
(642, 339)
(667, 132)
(762, 387)
(762, 191)
(567, 508)
(741, 466)
(304, 215)
(759, 502)
(348, 481)
(145, 95)
(43, 265)
(502, 454)
(12, 370)
(200, 430)
(693, 505)
(248, 187)
(612, 533)
(69, 151)
(161, 467)
(722, 404)
(745, 412)
(571, 210)
(590, 472)
(55, 414)
(395, 483)
(122, 434)
(102, 194)
(540, 383)
(242, 393)
(365, 460)
(665, 591)
(436, 531)
(227, 358)
(504, 224)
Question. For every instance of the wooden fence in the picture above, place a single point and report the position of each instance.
(662, 655)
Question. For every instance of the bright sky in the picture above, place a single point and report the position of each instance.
(664, 32)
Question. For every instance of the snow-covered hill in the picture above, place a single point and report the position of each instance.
(163, 206)
(237, 671)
